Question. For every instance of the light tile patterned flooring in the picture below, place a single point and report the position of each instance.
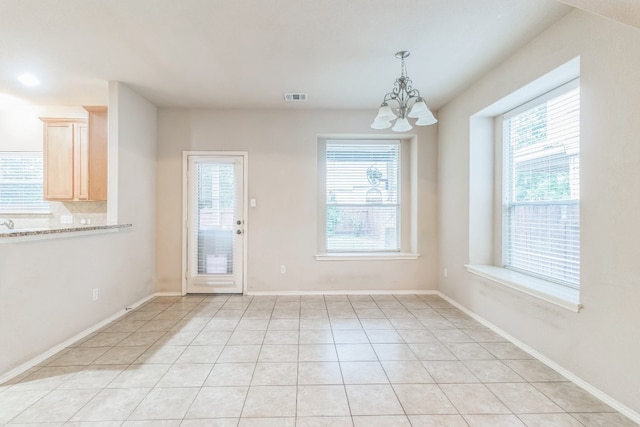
(404, 360)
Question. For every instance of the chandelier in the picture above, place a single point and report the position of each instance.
(405, 96)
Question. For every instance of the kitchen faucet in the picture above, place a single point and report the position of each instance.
(8, 223)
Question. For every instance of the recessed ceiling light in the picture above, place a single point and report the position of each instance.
(28, 79)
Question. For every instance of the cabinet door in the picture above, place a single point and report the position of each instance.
(58, 161)
(81, 141)
(97, 157)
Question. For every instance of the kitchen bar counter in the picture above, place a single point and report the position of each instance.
(29, 234)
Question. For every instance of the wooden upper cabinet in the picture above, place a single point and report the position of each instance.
(97, 153)
(60, 136)
(81, 160)
(75, 157)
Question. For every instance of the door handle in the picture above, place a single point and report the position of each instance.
(238, 231)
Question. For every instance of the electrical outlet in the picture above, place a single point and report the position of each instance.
(283, 269)
(95, 294)
(446, 273)
(66, 219)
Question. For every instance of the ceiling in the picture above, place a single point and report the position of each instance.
(240, 53)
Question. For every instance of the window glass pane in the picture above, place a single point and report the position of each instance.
(21, 183)
(215, 217)
(542, 190)
(362, 196)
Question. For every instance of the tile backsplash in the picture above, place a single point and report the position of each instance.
(63, 215)
(82, 213)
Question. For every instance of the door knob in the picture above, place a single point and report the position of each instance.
(238, 231)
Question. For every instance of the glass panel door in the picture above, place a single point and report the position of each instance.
(215, 224)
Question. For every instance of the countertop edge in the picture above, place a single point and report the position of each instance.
(9, 236)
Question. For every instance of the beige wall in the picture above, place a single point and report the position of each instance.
(282, 228)
(600, 344)
(46, 286)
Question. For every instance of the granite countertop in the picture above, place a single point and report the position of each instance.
(24, 232)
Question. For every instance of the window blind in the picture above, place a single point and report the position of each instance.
(215, 210)
(21, 183)
(363, 196)
(541, 187)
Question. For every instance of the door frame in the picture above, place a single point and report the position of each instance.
(185, 197)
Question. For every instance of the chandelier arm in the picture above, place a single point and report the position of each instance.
(414, 93)
(396, 92)
(388, 97)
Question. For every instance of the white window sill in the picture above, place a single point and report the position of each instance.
(547, 291)
(363, 256)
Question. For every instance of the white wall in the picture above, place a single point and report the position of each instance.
(282, 229)
(600, 344)
(21, 128)
(46, 286)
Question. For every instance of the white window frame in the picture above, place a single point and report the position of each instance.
(485, 194)
(45, 208)
(510, 261)
(406, 221)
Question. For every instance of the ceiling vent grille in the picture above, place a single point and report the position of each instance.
(295, 97)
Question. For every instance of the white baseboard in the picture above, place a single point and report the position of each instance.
(47, 354)
(623, 409)
(343, 292)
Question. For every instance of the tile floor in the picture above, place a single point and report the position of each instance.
(404, 360)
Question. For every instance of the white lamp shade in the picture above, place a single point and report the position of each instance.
(426, 120)
(419, 109)
(380, 124)
(385, 114)
(402, 125)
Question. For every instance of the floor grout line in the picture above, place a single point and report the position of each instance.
(247, 320)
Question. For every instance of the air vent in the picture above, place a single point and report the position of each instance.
(294, 97)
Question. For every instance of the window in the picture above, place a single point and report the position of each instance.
(21, 183)
(541, 187)
(362, 196)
